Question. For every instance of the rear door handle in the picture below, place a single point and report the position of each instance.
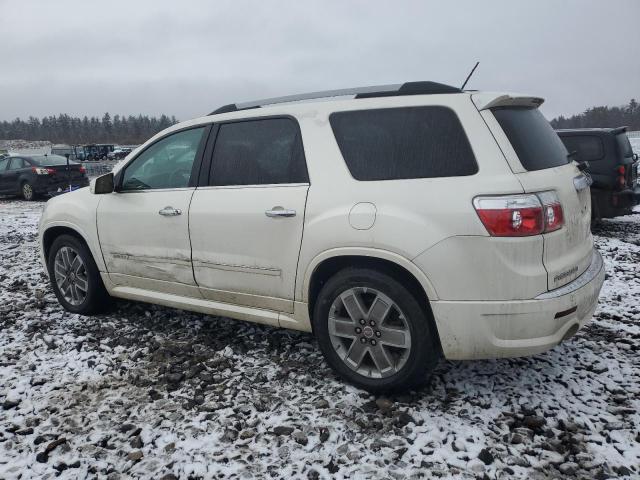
(170, 212)
(280, 212)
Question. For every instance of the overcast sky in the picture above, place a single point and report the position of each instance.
(186, 58)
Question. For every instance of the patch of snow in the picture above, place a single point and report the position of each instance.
(146, 391)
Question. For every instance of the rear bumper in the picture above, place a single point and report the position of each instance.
(475, 330)
(629, 196)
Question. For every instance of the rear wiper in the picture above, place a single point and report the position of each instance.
(582, 166)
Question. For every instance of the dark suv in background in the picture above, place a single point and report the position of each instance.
(612, 165)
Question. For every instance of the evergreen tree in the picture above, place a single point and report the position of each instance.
(64, 128)
(603, 117)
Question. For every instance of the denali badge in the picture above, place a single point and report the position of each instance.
(566, 274)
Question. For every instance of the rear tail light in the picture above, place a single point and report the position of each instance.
(43, 171)
(622, 181)
(83, 170)
(553, 214)
(520, 215)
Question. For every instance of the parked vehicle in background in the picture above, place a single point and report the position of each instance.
(612, 165)
(436, 222)
(119, 153)
(93, 152)
(64, 150)
(35, 175)
(634, 139)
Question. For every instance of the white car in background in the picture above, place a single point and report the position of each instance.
(399, 224)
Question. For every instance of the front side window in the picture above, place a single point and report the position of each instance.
(536, 143)
(165, 164)
(403, 143)
(258, 152)
(587, 148)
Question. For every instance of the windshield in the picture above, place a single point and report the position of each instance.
(536, 143)
(623, 145)
(51, 160)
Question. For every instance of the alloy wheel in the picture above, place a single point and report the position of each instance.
(71, 275)
(369, 332)
(27, 191)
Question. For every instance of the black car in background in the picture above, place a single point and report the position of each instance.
(612, 165)
(35, 175)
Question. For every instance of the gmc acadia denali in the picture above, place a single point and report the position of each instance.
(399, 224)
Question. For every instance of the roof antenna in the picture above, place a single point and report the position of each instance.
(469, 76)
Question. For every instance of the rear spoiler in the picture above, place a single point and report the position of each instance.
(616, 131)
(486, 100)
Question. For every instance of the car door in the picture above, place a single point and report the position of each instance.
(246, 218)
(4, 175)
(12, 174)
(143, 226)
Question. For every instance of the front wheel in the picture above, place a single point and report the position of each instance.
(75, 277)
(374, 332)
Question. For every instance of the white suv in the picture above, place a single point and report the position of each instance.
(398, 224)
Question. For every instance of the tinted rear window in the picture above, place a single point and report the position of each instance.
(588, 148)
(400, 143)
(536, 143)
(51, 160)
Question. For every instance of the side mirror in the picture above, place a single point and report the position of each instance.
(103, 184)
(635, 157)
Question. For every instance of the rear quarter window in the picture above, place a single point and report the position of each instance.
(588, 148)
(403, 143)
(536, 143)
(624, 147)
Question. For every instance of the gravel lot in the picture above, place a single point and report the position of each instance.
(151, 392)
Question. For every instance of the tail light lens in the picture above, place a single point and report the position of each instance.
(510, 215)
(520, 215)
(622, 181)
(553, 214)
(83, 170)
(43, 171)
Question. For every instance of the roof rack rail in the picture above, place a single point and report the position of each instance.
(398, 89)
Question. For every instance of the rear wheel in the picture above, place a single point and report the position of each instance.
(374, 332)
(27, 191)
(75, 277)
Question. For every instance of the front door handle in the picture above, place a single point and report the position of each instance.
(170, 212)
(280, 212)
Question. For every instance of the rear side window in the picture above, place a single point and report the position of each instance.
(258, 152)
(401, 143)
(4, 163)
(17, 163)
(536, 143)
(588, 148)
(624, 147)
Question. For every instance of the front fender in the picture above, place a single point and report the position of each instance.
(75, 211)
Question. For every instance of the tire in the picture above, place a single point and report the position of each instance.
(95, 298)
(27, 192)
(408, 368)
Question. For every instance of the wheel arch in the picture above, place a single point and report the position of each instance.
(329, 263)
(52, 232)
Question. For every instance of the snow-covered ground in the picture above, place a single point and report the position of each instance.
(150, 392)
